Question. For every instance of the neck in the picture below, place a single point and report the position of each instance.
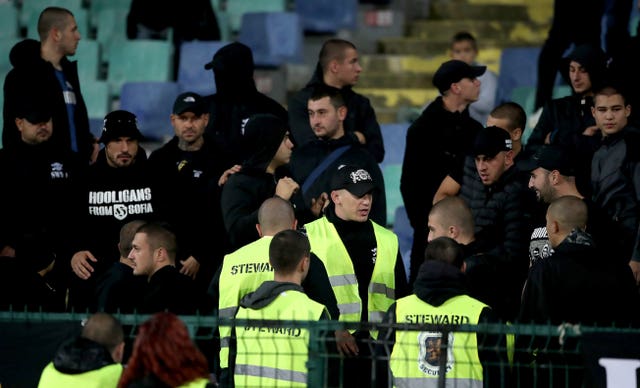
(465, 240)
(51, 54)
(453, 104)
(331, 81)
(295, 278)
(126, 261)
(191, 146)
(567, 189)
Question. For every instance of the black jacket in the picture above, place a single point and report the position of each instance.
(172, 291)
(304, 159)
(360, 117)
(31, 72)
(81, 355)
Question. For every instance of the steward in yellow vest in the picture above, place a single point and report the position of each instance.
(440, 298)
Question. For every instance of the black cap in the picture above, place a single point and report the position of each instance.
(550, 157)
(491, 140)
(354, 179)
(234, 54)
(34, 108)
(189, 102)
(120, 123)
(453, 71)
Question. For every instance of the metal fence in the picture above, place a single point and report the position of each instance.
(513, 355)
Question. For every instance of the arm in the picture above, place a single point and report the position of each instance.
(448, 188)
(541, 131)
(402, 287)
(369, 129)
(317, 286)
(634, 263)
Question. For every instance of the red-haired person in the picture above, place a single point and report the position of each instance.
(164, 355)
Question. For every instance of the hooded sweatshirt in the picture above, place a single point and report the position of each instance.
(32, 73)
(235, 100)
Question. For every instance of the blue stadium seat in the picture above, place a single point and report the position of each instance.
(402, 228)
(152, 103)
(191, 73)
(236, 9)
(327, 16)
(274, 37)
(518, 67)
(394, 137)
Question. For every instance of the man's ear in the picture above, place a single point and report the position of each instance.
(118, 353)
(453, 232)
(335, 196)
(259, 229)
(516, 134)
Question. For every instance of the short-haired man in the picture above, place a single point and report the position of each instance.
(93, 359)
(438, 140)
(265, 356)
(45, 66)
(153, 252)
(327, 112)
(338, 67)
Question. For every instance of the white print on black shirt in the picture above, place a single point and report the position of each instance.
(120, 204)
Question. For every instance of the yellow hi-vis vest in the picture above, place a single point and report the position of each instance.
(327, 245)
(415, 357)
(269, 357)
(107, 376)
(243, 271)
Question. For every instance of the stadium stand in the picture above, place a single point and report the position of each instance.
(274, 37)
(192, 75)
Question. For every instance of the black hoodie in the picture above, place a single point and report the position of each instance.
(33, 74)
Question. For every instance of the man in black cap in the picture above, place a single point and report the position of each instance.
(185, 171)
(43, 191)
(118, 190)
(438, 140)
(501, 205)
(235, 100)
(363, 261)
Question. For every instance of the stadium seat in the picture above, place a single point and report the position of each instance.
(391, 174)
(9, 21)
(139, 60)
(191, 73)
(111, 26)
(97, 97)
(274, 37)
(327, 16)
(402, 228)
(88, 57)
(152, 103)
(236, 10)
(518, 67)
(97, 6)
(394, 137)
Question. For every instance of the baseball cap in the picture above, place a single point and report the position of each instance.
(120, 123)
(34, 108)
(453, 71)
(189, 102)
(354, 179)
(550, 157)
(491, 140)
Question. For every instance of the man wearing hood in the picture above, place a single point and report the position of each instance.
(93, 359)
(236, 99)
(266, 141)
(567, 121)
(118, 190)
(440, 296)
(338, 67)
(45, 64)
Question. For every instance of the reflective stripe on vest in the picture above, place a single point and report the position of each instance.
(264, 353)
(415, 358)
(243, 271)
(327, 245)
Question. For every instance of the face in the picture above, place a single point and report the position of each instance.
(348, 70)
(325, 119)
(579, 77)
(188, 127)
(436, 227)
(142, 255)
(283, 154)
(491, 169)
(463, 51)
(610, 113)
(469, 89)
(352, 208)
(121, 152)
(540, 182)
(69, 36)
(34, 133)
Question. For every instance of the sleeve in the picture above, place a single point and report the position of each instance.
(635, 171)
(493, 351)
(402, 286)
(317, 286)
(239, 213)
(372, 133)
(540, 131)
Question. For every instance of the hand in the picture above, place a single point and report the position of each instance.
(547, 139)
(190, 267)
(80, 264)
(286, 187)
(8, 251)
(346, 343)
(635, 267)
(225, 175)
(590, 131)
(94, 151)
(319, 204)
